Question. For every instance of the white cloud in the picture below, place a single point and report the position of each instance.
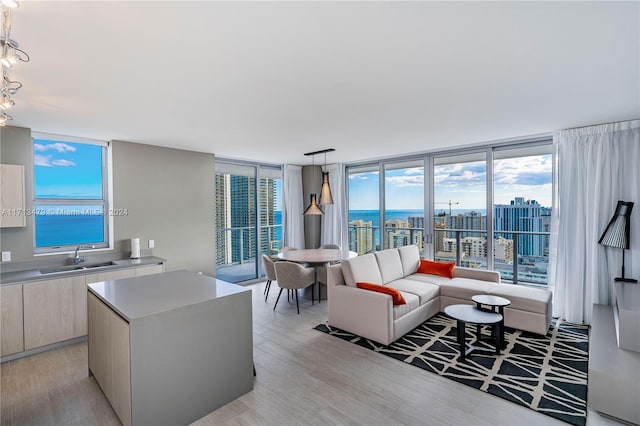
(63, 163)
(42, 160)
(57, 146)
(404, 181)
(46, 161)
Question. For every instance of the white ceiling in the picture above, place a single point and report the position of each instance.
(269, 81)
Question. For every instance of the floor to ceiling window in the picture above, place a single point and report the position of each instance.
(460, 209)
(486, 207)
(248, 218)
(364, 208)
(522, 180)
(404, 204)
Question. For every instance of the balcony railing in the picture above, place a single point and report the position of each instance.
(236, 250)
(519, 256)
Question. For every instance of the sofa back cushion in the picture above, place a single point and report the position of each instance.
(444, 269)
(361, 269)
(389, 264)
(410, 257)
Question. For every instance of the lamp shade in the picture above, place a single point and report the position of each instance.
(325, 191)
(618, 230)
(313, 208)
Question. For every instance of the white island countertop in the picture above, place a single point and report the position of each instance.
(138, 297)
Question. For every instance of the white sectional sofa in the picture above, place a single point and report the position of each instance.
(372, 315)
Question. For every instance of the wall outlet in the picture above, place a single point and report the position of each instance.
(6, 256)
(152, 243)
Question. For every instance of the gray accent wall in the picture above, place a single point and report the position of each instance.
(169, 195)
(15, 148)
(311, 183)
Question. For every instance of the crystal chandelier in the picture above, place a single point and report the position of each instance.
(11, 55)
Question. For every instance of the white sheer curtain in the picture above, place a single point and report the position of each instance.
(293, 206)
(334, 221)
(597, 166)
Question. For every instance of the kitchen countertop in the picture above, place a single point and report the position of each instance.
(27, 275)
(138, 297)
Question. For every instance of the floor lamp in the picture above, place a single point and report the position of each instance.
(617, 233)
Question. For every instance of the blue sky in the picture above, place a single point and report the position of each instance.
(464, 183)
(67, 170)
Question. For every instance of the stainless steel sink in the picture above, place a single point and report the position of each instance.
(99, 265)
(71, 268)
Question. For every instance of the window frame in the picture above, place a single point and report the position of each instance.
(105, 202)
(523, 146)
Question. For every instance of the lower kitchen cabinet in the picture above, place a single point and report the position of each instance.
(54, 310)
(11, 325)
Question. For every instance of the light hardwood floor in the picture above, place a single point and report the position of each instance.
(303, 377)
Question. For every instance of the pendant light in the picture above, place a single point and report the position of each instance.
(325, 191)
(313, 208)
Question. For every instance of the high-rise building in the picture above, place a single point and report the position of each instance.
(236, 237)
(521, 215)
(361, 236)
(396, 233)
(416, 225)
(503, 250)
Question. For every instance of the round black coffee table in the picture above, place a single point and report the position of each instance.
(492, 302)
(464, 314)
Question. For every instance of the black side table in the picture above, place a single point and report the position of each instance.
(492, 302)
(464, 314)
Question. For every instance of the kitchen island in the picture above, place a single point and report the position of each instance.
(170, 348)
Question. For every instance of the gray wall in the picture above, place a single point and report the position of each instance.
(15, 148)
(311, 183)
(169, 195)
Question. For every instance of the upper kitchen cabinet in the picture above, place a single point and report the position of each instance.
(12, 196)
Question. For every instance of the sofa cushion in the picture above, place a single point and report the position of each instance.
(413, 302)
(465, 288)
(361, 269)
(395, 294)
(524, 298)
(428, 278)
(410, 257)
(389, 264)
(424, 291)
(444, 269)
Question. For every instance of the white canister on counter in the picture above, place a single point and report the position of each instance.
(135, 248)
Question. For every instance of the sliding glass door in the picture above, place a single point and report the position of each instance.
(248, 218)
(460, 209)
(404, 204)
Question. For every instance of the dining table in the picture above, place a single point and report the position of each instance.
(317, 258)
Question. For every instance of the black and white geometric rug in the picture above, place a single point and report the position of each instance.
(547, 374)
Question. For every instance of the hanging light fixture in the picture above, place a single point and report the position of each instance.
(10, 55)
(313, 208)
(325, 191)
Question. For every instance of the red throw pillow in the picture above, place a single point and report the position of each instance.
(444, 269)
(393, 292)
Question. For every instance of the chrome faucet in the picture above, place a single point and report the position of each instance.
(76, 258)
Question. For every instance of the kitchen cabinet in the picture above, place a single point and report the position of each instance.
(148, 270)
(11, 327)
(54, 310)
(12, 196)
(170, 348)
(109, 356)
(111, 275)
(49, 311)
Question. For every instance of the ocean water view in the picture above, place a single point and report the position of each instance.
(58, 230)
(374, 215)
